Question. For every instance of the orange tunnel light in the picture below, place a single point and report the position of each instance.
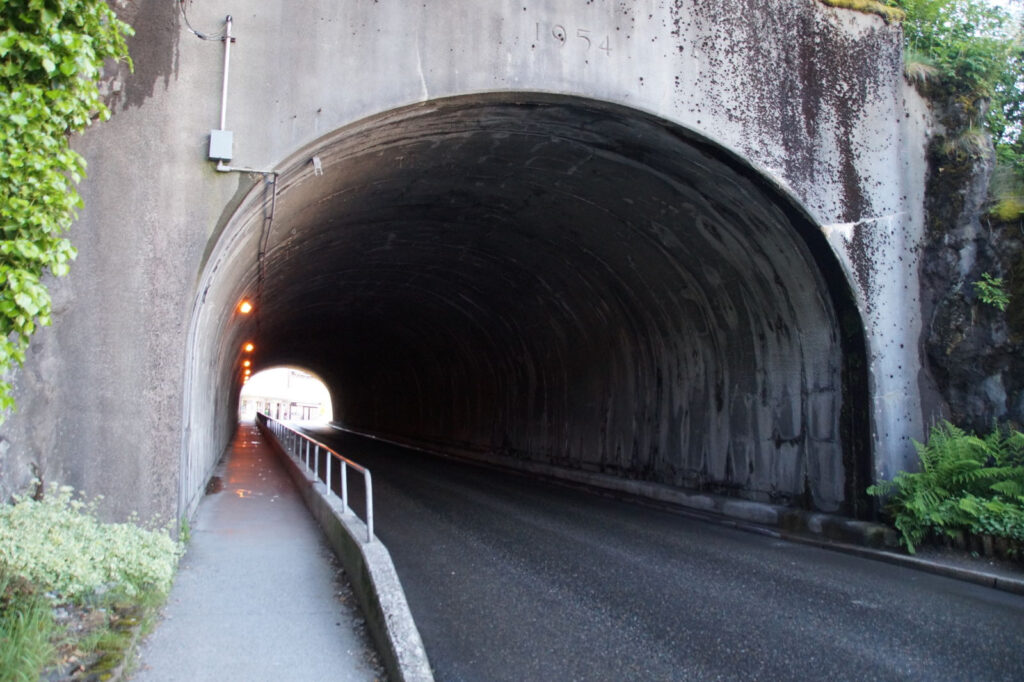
(245, 307)
(248, 347)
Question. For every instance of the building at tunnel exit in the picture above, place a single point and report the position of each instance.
(673, 242)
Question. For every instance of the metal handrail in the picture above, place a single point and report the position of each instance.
(299, 445)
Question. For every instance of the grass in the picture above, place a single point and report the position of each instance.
(97, 637)
(27, 631)
(918, 68)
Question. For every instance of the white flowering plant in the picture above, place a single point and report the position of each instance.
(59, 545)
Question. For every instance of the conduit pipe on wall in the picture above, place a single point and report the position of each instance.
(227, 65)
(221, 139)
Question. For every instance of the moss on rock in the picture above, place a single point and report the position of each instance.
(890, 14)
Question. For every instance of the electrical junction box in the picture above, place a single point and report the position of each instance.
(221, 142)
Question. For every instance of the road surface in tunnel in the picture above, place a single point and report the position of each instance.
(510, 578)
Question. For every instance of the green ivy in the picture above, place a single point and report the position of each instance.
(51, 58)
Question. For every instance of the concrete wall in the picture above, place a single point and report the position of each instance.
(133, 391)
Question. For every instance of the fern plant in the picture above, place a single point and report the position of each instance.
(992, 291)
(965, 483)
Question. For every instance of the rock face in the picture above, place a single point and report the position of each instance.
(974, 350)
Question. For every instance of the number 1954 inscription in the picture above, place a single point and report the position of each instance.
(560, 34)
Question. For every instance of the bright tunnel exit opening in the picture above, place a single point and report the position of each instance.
(286, 393)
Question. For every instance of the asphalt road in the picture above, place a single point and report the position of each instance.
(509, 578)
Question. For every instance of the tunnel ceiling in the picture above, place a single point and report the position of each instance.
(562, 281)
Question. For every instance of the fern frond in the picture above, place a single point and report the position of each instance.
(882, 488)
(1010, 488)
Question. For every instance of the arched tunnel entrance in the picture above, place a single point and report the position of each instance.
(555, 280)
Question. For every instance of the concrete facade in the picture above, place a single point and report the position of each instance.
(743, 316)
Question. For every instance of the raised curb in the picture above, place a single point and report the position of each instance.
(995, 581)
(371, 572)
(829, 531)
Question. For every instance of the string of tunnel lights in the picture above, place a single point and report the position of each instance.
(245, 307)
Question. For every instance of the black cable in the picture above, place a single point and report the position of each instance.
(198, 34)
(263, 244)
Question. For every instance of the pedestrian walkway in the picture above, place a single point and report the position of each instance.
(258, 595)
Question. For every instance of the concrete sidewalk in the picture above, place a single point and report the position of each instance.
(258, 595)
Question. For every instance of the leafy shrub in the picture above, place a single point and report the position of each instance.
(998, 517)
(966, 483)
(59, 545)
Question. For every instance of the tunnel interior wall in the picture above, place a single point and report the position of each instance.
(725, 379)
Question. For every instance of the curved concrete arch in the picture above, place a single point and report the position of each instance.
(812, 97)
(551, 279)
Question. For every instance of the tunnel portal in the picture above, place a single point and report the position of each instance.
(561, 281)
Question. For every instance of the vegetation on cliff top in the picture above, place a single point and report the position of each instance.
(970, 55)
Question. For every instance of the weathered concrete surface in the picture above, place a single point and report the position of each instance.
(628, 271)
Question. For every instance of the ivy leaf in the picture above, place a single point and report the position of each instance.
(26, 303)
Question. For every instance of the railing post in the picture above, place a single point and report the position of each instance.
(344, 487)
(316, 453)
(316, 465)
(328, 465)
(369, 505)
